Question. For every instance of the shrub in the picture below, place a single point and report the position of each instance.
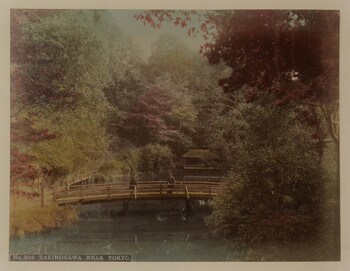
(274, 188)
(155, 161)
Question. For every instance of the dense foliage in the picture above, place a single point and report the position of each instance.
(262, 96)
(293, 55)
(82, 96)
(156, 161)
(279, 110)
(274, 189)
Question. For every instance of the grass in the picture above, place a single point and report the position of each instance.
(27, 216)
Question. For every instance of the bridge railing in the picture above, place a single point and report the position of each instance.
(144, 184)
(144, 190)
(79, 178)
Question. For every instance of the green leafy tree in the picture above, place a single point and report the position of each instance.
(275, 186)
(193, 84)
(82, 142)
(293, 54)
(70, 58)
(155, 161)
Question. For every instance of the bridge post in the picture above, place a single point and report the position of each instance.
(187, 194)
(125, 207)
(188, 208)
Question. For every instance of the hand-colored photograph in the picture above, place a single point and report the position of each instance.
(174, 135)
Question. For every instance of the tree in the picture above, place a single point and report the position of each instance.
(183, 117)
(127, 83)
(58, 76)
(174, 58)
(24, 134)
(48, 70)
(192, 81)
(292, 54)
(148, 120)
(285, 63)
(22, 60)
(155, 161)
(275, 186)
(82, 143)
(183, 114)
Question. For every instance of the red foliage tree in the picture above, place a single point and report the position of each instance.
(292, 55)
(30, 86)
(23, 166)
(148, 120)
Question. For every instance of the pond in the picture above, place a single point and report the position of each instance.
(152, 231)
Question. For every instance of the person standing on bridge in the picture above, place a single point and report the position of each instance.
(171, 183)
(133, 182)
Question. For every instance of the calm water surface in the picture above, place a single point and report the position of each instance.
(152, 231)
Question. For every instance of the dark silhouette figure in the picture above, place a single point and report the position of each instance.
(133, 182)
(171, 183)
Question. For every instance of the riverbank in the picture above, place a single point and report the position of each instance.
(27, 216)
(40, 220)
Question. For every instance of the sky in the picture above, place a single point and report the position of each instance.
(144, 35)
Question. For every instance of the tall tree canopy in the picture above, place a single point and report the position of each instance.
(149, 118)
(293, 55)
(193, 84)
(61, 64)
(283, 78)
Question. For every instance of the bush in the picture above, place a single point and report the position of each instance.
(155, 161)
(275, 184)
(128, 160)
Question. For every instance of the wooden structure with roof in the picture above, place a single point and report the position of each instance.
(196, 166)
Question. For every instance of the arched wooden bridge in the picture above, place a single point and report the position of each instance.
(93, 193)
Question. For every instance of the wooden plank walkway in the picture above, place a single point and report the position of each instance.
(92, 193)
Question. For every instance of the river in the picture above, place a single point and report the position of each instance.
(152, 231)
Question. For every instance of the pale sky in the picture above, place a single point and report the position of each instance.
(144, 35)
